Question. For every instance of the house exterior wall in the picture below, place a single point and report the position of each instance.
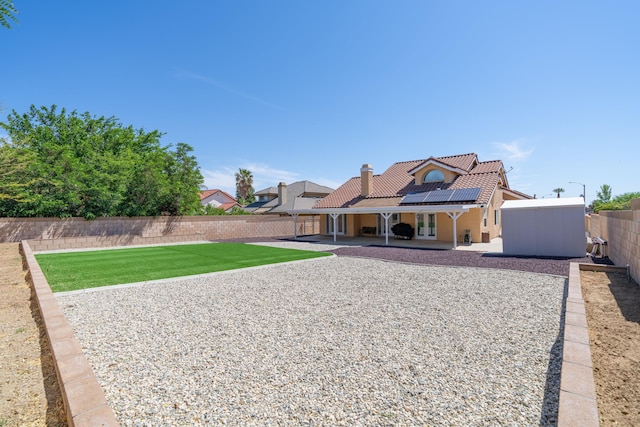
(216, 199)
(55, 233)
(448, 175)
(621, 230)
(471, 220)
(494, 230)
(549, 231)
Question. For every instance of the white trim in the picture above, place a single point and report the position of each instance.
(439, 164)
(387, 209)
(425, 225)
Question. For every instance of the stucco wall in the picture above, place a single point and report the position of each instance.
(621, 230)
(141, 230)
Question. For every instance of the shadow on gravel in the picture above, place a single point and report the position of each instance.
(550, 402)
(447, 257)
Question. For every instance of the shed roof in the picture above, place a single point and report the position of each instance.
(543, 203)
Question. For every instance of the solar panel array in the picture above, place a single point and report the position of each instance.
(465, 194)
(441, 196)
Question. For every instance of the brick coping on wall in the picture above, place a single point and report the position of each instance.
(84, 399)
(86, 405)
(578, 406)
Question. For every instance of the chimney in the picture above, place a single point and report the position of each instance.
(366, 180)
(282, 193)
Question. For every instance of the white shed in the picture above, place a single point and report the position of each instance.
(544, 227)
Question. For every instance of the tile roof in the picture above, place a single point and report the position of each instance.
(229, 205)
(491, 166)
(267, 191)
(207, 193)
(397, 181)
(300, 195)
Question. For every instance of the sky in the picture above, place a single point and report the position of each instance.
(311, 90)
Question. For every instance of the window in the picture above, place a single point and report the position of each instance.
(341, 224)
(434, 176)
(495, 217)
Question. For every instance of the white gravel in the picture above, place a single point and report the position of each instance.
(331, 341)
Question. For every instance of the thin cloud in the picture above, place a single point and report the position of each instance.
(223, 86)
(263, 176)
(512, 150)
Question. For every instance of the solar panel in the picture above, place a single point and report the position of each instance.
(414, 198)
(465, 195)
(438, 196)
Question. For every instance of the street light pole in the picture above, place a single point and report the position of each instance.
(584, 191)
(584, 194)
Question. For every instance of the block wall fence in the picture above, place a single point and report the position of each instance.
(621, 230)
(69, 233)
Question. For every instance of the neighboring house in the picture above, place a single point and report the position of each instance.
(451, 199)
(281, 199)
(218, 199)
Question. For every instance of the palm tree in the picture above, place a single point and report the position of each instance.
(244, 185)
(558, 191)
(7, 12)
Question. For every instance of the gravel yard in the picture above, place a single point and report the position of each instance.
(332, 341)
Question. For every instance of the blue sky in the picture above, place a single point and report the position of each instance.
(295, 90)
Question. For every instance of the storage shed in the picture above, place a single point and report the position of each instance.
(544, 227)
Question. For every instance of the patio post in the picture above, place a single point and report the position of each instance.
(335, 225)
(454, 216)
(386, 227)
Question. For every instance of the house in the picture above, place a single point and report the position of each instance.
(281, 199)
(218, 199)
(451, 199)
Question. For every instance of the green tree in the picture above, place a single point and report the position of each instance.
(604, 195)
(558, 191)
(13, 177)
(81, 165)
(244, 186)
(184, 180)
(621, 202)
(7, 12)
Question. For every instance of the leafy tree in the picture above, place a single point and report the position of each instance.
(621, 202)
(7, 12)
(244, 186)
(183, 174)
(13, 167)
(558, 191)
(604, 195)
(80, 165)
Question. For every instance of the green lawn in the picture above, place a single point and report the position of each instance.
(80, 270)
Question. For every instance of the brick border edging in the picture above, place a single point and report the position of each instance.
(578, 405)
(84, 399)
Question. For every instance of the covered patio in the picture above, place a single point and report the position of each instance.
(452, 211)
(495, 246)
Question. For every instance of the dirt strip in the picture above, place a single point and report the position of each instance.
(30, 395)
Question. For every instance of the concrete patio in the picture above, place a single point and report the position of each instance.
(495, 246)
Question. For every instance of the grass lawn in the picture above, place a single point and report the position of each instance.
(72, 271)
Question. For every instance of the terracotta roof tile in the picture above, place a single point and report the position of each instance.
(486, 181)
(461, 161)
(206, 193)
(396, 182)
(490, 166)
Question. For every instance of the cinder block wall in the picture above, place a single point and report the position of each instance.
(55, 233)
(621, 230)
